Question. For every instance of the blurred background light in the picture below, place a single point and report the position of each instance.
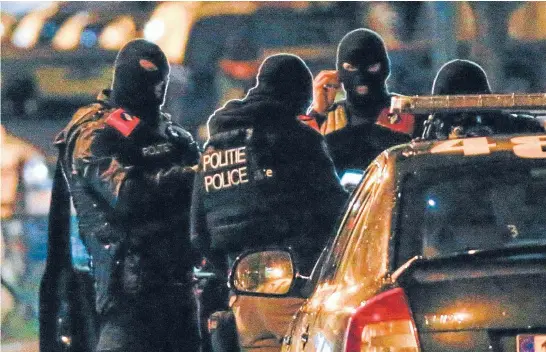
(27, 31)
(154, 30)
(25, 36)
(88, 38)
(117, 33)
(169, 28)
(68, 36)
(36, 172)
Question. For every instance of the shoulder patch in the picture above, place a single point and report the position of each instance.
(122, 121)
(309, 121)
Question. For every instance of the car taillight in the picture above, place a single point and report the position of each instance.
(384, 323)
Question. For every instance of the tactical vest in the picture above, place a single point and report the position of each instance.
(247, 199)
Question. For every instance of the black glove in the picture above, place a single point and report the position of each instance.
(184, 141)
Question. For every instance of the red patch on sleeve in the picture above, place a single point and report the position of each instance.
(122, 121)
(404, 123)
(309, 121)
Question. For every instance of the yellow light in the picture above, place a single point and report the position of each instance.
(68, 36)
(26, 34)
(169, 28)
(117, 33)
(66, 340)
(6, 24)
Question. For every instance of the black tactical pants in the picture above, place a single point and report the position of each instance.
(163, 321)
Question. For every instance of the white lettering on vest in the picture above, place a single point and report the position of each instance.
(226, 179)
(156, 149)
(224, 158)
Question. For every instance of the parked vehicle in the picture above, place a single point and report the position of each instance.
(442, 248)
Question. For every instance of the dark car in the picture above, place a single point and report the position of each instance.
(442, 248)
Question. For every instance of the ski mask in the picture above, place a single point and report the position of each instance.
(455, 78)
(285, 78)
(141, 75)
(363, 67)
(461, 77)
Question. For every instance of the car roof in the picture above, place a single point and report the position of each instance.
(445, 153)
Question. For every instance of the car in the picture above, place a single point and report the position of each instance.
(442, 247)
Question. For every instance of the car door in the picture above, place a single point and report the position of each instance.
(363, 264)
(304, 335)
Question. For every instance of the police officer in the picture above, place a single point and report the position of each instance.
(129, 172)
(358, 128)
(265, 178)
(459, 77)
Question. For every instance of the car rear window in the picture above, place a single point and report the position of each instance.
(476, 207)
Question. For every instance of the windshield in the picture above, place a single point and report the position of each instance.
(476, 207)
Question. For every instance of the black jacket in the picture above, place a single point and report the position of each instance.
(264, 179)
(131, 188)
(354, 147)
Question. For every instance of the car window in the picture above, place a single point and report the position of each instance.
(476, 207)
(353, 211)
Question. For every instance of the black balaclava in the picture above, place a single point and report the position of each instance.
(141, 75)
(365, 51)
(455, 78)
(285, 78)
(461, 77)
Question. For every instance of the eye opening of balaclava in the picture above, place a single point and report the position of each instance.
(285, 78)
(141, 76)
(363, 67)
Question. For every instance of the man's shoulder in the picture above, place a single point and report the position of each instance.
(87, 119)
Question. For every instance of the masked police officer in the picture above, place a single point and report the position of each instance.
(358, 128)
(459, 77)
(129, 173)
(265, 178)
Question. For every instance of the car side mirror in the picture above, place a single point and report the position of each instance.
(268, 273)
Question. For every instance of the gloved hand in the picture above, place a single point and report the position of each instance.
(325, 88)
(184, 141)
